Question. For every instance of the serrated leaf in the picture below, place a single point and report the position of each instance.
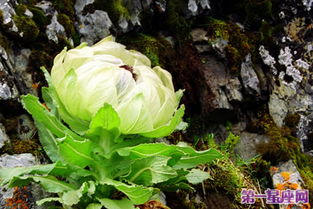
(196, 176)
(48, 141)
(136, 193)
(117, 204)
(72, 197)
(149, 150)
(76, 152)
(8, 173)
(48, 199)
(49, 183)
(151, 170)
(41, 114)
(192, 158)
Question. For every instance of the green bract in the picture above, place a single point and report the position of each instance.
(85, 78)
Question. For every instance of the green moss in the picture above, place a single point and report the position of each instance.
(20, 9)
(68, 24)
(283, 146)
(115, 9)
(175, 22)
(65, 7)
(239, 43)
(39, 17)
(4, 42)
(27, 26)
(153, 48)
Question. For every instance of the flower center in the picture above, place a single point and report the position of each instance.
(130, 69)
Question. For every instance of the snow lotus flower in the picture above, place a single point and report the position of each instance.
(87, 77)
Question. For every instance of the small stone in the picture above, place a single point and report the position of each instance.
(193, 7)
(3, 136)
(80, 5)
(55, 29)
(249, 77)
(233, 90)
(8, 89)
(199, 34)
(277, 109)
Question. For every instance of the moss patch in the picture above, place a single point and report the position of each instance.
(284, 146)
(154, 48)
(175, 22)
(27, 26)
(65, 7)
(239, 43)
(115, 9)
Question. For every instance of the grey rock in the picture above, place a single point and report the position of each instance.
(161, 4)
(295, 178)
(3, 136)
(47, 7)
(7, 8)
(19, 62)
(8, 89)
(219, 46)
(233, 90)
(303, 129)
(277, 109)
(55, 29)
(249, 77)
(247, 146)
(80, 5)
(193, 7)
(201, 48)
(199, 34)
(35, 191)
(94, 27)
(20, 160)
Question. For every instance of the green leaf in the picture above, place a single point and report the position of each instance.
(192, 158)
(94, 206)
(76, 152)
(136, 193)
(151, 170)
(196, 176)
(49, 183)
(117, 204)
(6, 174)
(167, 129)
(105, 119)
(149, 150)
(48, 141)
(42, 115)
(48, 199)
(46, 95)
(72, 197)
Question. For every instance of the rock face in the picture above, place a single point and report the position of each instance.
(238, 61)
